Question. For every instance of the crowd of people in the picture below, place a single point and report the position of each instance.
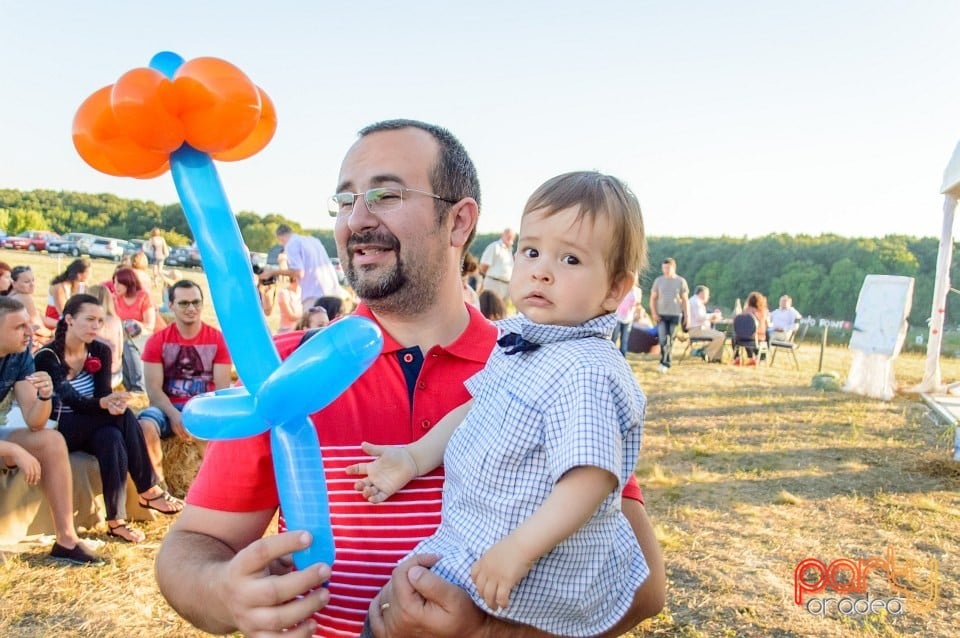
(90, 348)
(569, 507)
(673, 308)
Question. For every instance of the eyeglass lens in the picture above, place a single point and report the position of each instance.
(377, 200)
(196, 303)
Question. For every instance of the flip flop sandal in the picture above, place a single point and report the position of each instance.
(136, 536)
(165, 496)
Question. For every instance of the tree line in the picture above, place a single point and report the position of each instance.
(111, 216)
(822, 273)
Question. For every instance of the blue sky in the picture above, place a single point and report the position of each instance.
(735, 118)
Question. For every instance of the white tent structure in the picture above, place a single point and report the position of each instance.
(951, 193)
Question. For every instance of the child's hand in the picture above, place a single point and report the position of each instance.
(393, 468)
(498, 571)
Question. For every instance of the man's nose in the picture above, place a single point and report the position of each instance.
(361, 216)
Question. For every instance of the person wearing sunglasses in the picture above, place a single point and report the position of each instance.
(406, 207)
(187, 358)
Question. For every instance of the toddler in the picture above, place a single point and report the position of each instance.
(531, 521)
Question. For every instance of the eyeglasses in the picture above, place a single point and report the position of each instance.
(196, 303)
(378, 200)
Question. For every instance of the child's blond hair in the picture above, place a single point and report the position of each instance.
(598, 194)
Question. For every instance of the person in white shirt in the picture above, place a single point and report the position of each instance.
(701, 323)
(496, 264)
(307, 260)
(784, 320)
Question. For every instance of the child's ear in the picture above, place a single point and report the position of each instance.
(618, 290)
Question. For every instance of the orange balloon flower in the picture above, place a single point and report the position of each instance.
(102, 144)
(147, 109)
(259, 138)
(131, 127)
(220, 105)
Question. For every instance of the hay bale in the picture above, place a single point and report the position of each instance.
(181, 461)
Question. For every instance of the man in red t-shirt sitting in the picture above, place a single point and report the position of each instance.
(187, 358)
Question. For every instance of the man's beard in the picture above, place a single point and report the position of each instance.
(370, 289)
(398, 289)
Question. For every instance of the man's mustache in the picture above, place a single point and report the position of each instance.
(376, 239)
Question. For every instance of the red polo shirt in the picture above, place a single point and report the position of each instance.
(237, 476)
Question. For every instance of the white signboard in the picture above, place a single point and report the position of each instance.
(882, 309)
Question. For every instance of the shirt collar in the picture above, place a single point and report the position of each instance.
(473, 344)
(543, 334)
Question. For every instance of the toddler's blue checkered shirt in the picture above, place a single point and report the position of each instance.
(537, 414)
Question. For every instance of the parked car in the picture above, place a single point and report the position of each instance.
(258, 259)
(3, 233)
(137, 246)
(131, 247)
(107, 248)
(32, 240)
(273, 255)
(74, 244)
(184, 257)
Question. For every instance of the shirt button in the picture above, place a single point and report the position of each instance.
(422, 385)
(408, 358)
(434, 355)
(425, 424)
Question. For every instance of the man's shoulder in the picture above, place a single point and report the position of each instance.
(16, 361)
(15, 356)
(208, 330)
(165, 333)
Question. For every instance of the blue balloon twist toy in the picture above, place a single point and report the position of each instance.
(276, 396)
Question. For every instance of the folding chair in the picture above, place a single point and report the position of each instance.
(692, 343)
(791, 343)
(745, 336)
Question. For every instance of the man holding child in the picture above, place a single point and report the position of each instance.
(215, 566)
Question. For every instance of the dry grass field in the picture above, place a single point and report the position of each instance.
(746, 473)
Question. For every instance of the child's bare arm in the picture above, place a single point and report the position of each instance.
(395, 466)
(574, 499)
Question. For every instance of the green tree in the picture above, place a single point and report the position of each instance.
(21, 219)
(803, 281)
(259, 237)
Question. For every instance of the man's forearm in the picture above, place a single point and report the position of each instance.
(187, 568)
(37, 415)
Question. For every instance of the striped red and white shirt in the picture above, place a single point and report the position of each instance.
(398, 400)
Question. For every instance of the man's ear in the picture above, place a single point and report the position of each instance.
(465, 214)
(618, 290)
